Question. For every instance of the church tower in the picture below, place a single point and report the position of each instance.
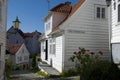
(16, 23)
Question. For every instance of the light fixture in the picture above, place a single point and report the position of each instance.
(108, 2)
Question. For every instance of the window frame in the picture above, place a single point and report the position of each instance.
(102, 12)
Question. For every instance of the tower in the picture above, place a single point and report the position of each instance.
(16, 23)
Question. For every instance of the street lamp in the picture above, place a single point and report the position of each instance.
(108, 2)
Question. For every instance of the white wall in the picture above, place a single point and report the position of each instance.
(3, 22)
(57, 57)
(22, 52)
(85, 31)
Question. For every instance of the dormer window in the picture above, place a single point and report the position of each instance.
(48, 26)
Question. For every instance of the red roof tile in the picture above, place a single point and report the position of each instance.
(63, 8)
(13, 48)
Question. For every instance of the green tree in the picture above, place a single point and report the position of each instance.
(8, 67)
(34, 62)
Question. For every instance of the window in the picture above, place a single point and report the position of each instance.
(52, 46)
(119, 13)
(48, 26)
(100, 12)
(23, 51)
(25, 57)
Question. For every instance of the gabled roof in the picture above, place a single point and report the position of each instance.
(31, 34)
(13, 30)
(13, 48)
(73, 10)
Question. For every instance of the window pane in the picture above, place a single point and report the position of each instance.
(54, 48)
(98, 12)
(118, 13)
(103, 13)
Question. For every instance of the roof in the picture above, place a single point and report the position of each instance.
(31, 34)
(63, 7)
(13, 48)
(16, 30)
(72, 11)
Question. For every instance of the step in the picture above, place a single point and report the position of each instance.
(48, 69)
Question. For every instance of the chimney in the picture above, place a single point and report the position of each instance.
(68, 2)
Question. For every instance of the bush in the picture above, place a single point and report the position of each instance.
(90, 67)
(70, 72)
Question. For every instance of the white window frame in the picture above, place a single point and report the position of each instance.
(52, 46)
(48, 26)
(102, 7)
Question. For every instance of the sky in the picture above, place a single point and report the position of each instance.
(30, 13)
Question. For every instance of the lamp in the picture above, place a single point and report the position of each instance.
(108, 2)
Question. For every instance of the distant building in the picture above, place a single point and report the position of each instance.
(19, 55)
(16, 36)
(32, 42)
(68, 27)
(3, 22)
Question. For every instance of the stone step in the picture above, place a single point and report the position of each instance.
(48, 69)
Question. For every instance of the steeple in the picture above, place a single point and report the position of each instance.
(16, 23)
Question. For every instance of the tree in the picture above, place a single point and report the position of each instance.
(8, 67)
(34, 62)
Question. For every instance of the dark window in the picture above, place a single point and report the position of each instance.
(103, 13)
(119, 13)
(98, 12)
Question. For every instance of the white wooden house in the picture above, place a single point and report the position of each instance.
(115, 29)
(3, 22)
(68, 27)
(19, 54)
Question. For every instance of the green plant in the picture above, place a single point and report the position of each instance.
(70, 72)
(90, 67)
(8, 67)
(34, 62)
(43, 74)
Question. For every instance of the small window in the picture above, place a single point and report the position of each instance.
(103, 13)
(52, 46)
(119, 13)
(48, 26)
(100, 12)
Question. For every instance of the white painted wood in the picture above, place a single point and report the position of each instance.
(3, 24)
(23, 53)
(83, 30)
(116, 53)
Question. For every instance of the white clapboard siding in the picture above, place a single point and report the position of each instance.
(57, 58)
(93, 33)
(115, 24)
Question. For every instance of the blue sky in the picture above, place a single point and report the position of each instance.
(30, 13)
